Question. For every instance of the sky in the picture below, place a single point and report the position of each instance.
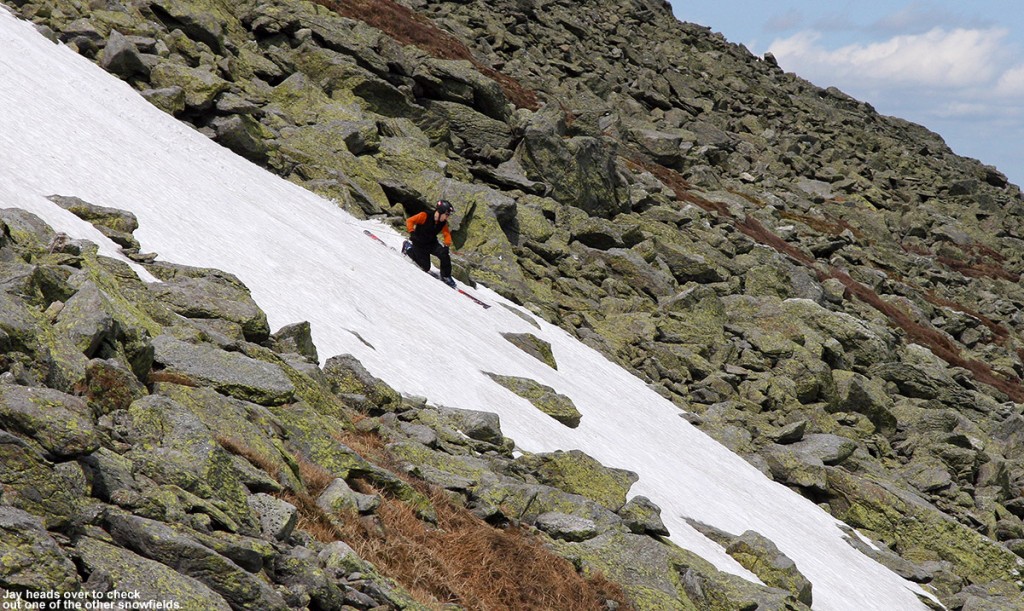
(955, 67)
(69, 128)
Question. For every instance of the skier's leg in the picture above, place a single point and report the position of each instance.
(420, 257)
(442, 253)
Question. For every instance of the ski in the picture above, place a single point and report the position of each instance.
(377, 239)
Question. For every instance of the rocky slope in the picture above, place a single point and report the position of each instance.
(829, 292)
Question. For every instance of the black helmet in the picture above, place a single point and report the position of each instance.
(444, 207)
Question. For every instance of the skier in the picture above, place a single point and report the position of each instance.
(423, 229)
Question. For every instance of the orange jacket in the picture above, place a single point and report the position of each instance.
(422, 218)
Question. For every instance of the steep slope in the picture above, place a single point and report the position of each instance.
(832, 294)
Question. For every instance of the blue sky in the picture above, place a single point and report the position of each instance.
(955, 67)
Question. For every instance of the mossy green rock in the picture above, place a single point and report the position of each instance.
(129, 572)
(347, 376)
(247, 425)
(544, 398)
(29, 558)
(578, 473)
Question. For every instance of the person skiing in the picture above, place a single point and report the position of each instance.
(423, 229)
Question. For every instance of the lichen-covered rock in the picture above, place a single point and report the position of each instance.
(172, 446)
(534, 346)
(201, 85)
(347, 376)
(578, 473)
(339, 496)
(60, 423)
(229, 372)
(544, 398)
(641, 516)
(29, 557)
(125, 571)
(213, 297)
(300, 571)
(296, 338)
(32, 484)
(183, 553)
(761, 556)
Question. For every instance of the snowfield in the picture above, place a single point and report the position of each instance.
(69, 128)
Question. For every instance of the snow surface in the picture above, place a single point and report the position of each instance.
(68, 128)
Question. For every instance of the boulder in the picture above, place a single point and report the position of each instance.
(125, 571)
(296, 338)
(122, 57)
(641, 516)
(482, 426)
(347, 376)
(31, 559)
(566, 527)
(60, 423)
(172, 446)
(859, 394)
(760, 555)
(200, 85)
(178, 550)
(277, 518)
(217, 298)
(534, 346)
(544, 398)
(31, 484)
(577, 473)
(230, 373)
(338, 496)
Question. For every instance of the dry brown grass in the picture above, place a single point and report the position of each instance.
(255, 459)
(171, 377)
(462, 559)
(410, 28)
(466, 561)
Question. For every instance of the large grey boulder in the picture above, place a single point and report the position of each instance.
(277, 518)
(544, 398)
(347, 376)
(231, 373)
(30, 483)
(566, 527)
(577, 473)
(122, 57)
(29, 557)
(761, 556)
(172, 446)
(60, 423)
(87, 320)
(214, 297)
(125, 571)
(183, 553)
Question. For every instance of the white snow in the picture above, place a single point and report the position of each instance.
(68, 128)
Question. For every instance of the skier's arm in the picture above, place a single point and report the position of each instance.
(447, 235)
(416, 219)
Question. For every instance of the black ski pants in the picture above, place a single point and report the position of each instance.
(421, 256)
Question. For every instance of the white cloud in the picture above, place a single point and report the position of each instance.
(1011, 83)
(939, 58)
